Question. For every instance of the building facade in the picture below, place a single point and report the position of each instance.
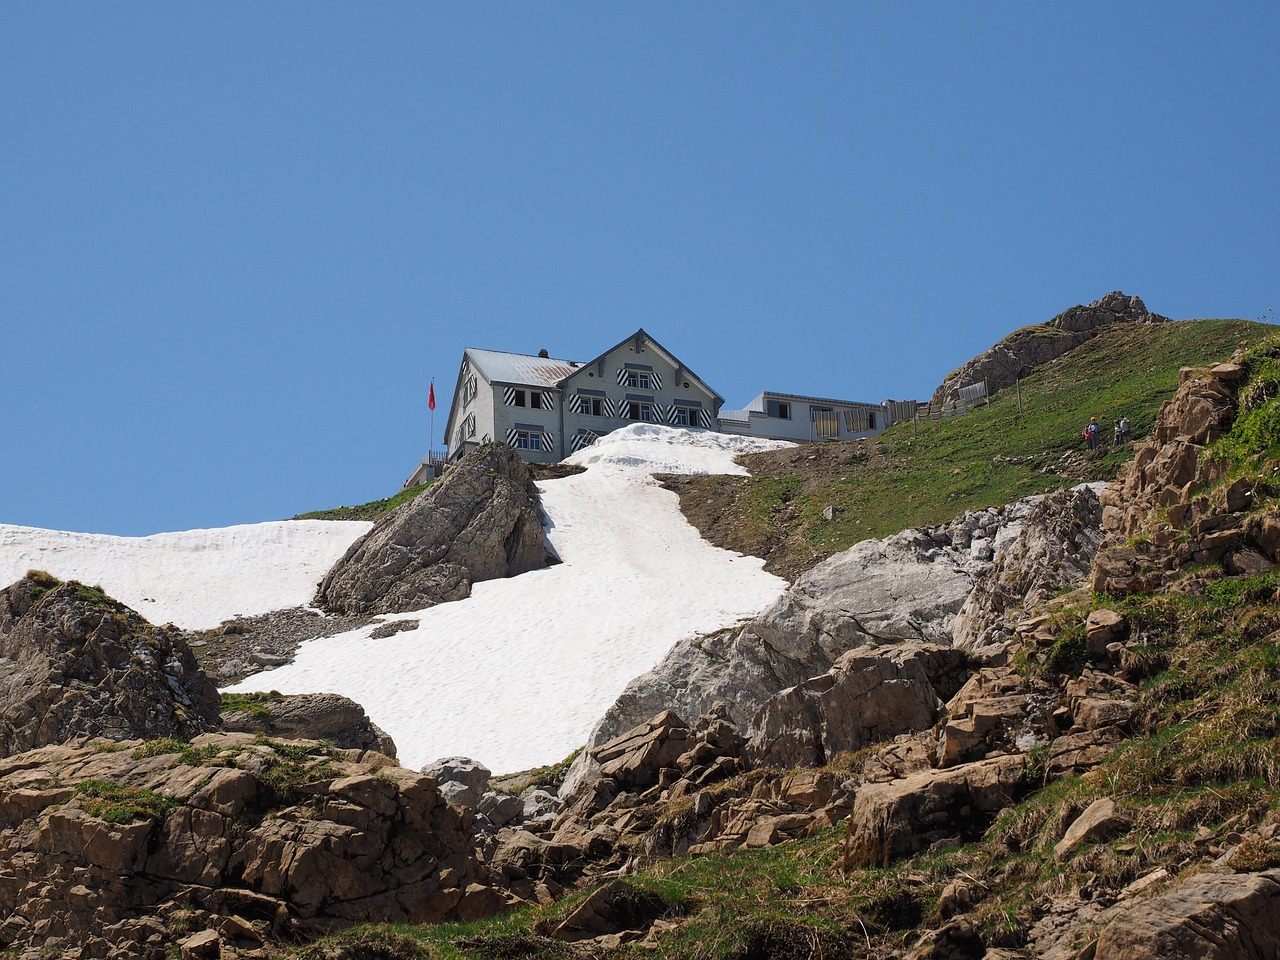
(547, 408)
(789, 416)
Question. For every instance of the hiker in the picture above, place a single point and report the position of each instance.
(1091, 434)
(1123, 432)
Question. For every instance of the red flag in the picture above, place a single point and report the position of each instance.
(431, 397)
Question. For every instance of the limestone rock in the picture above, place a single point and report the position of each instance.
(313, 716)
(482, 521)
(75, 663)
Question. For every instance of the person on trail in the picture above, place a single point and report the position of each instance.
(1123, 432)
(1091, 433)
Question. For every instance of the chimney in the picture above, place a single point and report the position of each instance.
(543, 353)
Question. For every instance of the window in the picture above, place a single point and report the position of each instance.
(591, 406)
(528, 440)
(517, 398)
(536, 399)
(639, 410)
(784, 411)
(686, 416)
(638, 378)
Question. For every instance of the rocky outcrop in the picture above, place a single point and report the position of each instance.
(76, 663)
(311, 716)
(869, 695)
(1156, 515)
(480, 522)
(1052, 553)
(1023, 350)
(1206, 917)
(129, 849)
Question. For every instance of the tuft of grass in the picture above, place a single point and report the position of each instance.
(253, 704)
(41, 583)
(114, 803)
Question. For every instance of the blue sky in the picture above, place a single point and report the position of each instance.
(237, 240)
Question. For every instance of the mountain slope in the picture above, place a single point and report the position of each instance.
(926, 474)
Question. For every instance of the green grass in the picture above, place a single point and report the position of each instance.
(115, 803)
(918, 475)
(374, 510)
(253, 704)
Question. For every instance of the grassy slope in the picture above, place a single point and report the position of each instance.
(909, 477)
(1209, 765)
(373, 510)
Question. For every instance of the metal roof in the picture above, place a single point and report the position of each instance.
(518, 368)
(757, 403)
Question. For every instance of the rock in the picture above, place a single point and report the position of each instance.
(205, 945)
(868, 696)
(1101, 820)
(75, 663)
(313, 716)
(499, 809)
(1049, 552)
(250, 841)
(482, 521)
(462, 780)
(614, 908)
(890, 820)
(1023, 350)
(1103, 627)
(1206, 917)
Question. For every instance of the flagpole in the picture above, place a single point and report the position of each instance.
(431, 404)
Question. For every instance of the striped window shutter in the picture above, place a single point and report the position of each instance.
(509, 396)
(612, 407)
(704, 419)
(575, 403)
(584, 438)
(548, 441)
(657, 379)
(548, 400)
(622, 375)
(663, 414)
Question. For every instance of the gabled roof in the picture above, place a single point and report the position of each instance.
(498, 367)
(670, 357)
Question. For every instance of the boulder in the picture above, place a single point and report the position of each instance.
(482, 521)
(312, 716)
(891, 820)
(1100, 820)
(462, 781)
(75, 663)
